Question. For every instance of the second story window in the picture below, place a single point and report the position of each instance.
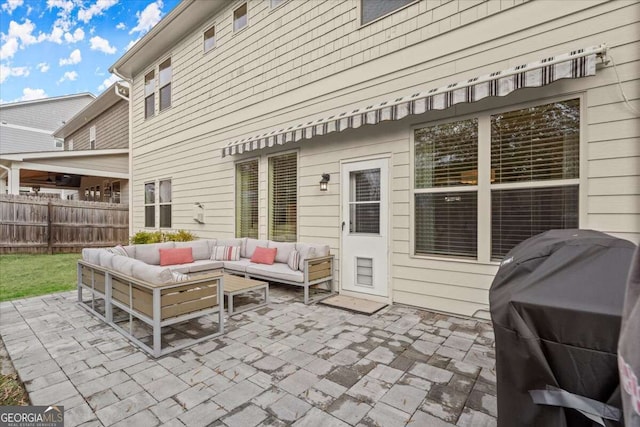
(276, 3)
(70, 145)
(149, 94)
(240, 18)
(210, 39)
(165, 84)
(374, 9)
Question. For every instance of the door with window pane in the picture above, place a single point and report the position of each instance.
(365, 205)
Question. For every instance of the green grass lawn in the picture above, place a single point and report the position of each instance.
(24, 276)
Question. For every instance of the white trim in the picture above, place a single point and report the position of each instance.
(233, 17)
(27, 128)
(53, 98)
(61, 154)
(72, 170)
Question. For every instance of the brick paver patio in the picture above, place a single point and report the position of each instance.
(284, 364)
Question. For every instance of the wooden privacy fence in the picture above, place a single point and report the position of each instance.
(44, 225)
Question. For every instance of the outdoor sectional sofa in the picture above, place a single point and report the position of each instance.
(132, 279)
(315, 265)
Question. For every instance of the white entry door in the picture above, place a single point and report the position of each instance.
(365, 228)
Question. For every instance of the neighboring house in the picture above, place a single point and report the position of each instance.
(93, 160)
(27, 127)
(101, 132)
(434, 167)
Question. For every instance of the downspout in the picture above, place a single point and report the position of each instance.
(129, 100)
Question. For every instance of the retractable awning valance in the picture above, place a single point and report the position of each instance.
(572, 65)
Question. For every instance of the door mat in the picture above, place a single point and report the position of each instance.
(358, 305)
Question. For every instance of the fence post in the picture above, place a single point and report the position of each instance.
(49, 228)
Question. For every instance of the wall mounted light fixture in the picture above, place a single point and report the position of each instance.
(324, 182)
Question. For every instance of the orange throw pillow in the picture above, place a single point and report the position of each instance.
(176, 256)
(264, 255)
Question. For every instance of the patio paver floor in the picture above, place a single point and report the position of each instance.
(284, 364)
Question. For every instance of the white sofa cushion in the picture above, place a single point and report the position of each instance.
(199, 248)
(251, 245)
(131, 250)
(229, 242)
(124, 265)
(277, 271)
(239, 266)
(306, 251)
(150, 253)
(91, 255)
(284, 249)
(204, 265)
(152, 273)
(106, 258)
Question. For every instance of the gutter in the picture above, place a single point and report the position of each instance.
(129, 100)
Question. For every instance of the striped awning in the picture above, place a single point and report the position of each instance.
(576, 64)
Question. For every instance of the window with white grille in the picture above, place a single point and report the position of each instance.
(530, 180)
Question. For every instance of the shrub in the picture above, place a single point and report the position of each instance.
(143, 237)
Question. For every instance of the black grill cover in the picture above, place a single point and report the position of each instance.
(556, 305)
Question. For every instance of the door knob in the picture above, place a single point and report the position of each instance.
(343, 224)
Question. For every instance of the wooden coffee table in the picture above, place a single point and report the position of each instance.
(236, 285)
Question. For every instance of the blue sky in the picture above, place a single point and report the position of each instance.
(60, 47)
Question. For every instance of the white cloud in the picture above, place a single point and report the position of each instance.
(65, 7)
(9, 48)
(149, 17)
(12, 5)
(7, 71)
(131, 43)
(121, 26)
(108, 82)
(18, 35)
(77, 35)
(98, 43)
(95, 9)
(74, 58)
(43, 67)
(55, 36)
(69, 75)
(29, 94)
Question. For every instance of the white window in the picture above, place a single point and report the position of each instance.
(59, 143)
(165, 84)
(240, 18)
(370, 10)
(70, 145)
(531, 180)
(283, 197)
(210, 39)
(165, 203)
(150, 204)
(149, 94)
(247, 199)
(92, 138)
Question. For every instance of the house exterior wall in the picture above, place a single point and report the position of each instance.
(112, 130)
(308, 60)
(43, 117)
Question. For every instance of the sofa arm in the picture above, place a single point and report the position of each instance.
(319, 268)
